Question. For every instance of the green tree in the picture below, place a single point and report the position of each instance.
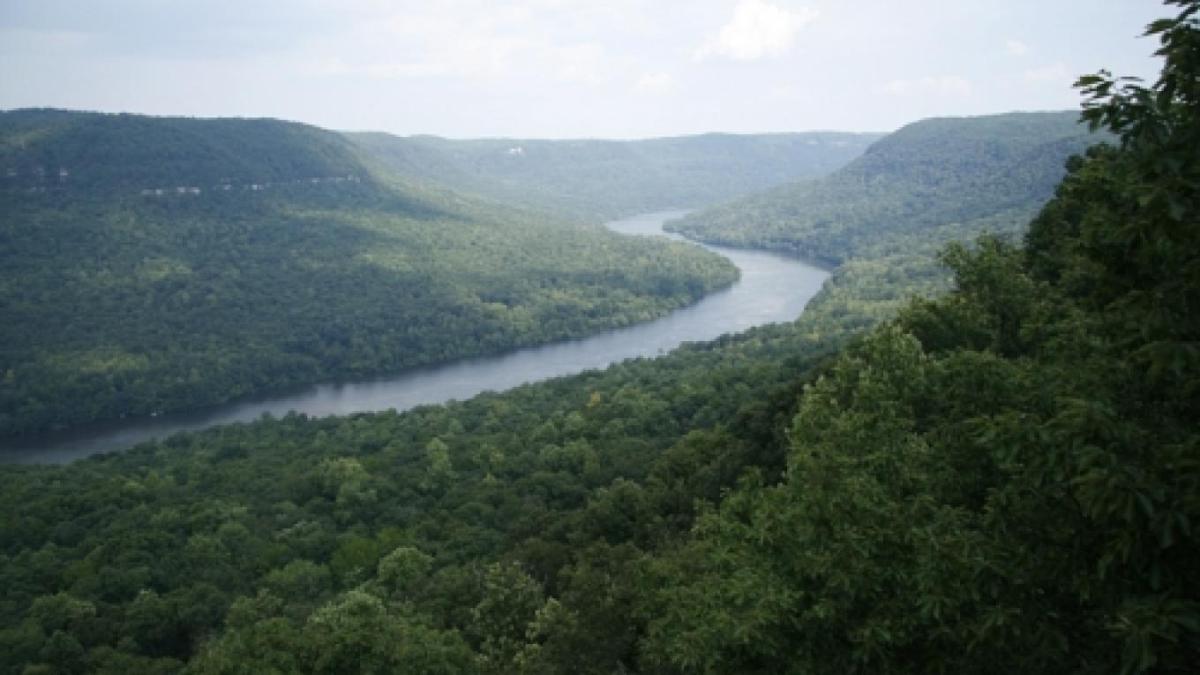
(1004, 480)
(501, 619)
(402, 570)
(357, 634)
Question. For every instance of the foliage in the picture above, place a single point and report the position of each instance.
(102, 154)
(1004, 479)
(266, 546)
(907, 189)
(121, 304)
(881, 220)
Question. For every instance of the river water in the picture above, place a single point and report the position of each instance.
(772, 288)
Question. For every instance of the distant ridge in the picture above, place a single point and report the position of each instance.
(929, 174)
(600, 179)
(126, 154)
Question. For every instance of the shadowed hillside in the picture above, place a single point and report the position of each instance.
(176, 263)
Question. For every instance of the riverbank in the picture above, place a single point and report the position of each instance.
(772, 288)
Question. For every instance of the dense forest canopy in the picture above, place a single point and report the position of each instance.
(597, 180)
(181, 263)
(1005, 479)
(881, 219)
(119, 155)
(1001, 479)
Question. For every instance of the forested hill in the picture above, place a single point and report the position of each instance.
(1002, 480)
(597, 179)
(119, 155)
(161, 264)
(970, 173)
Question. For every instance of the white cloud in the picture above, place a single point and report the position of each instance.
(941, 85)
(1016, 48)
(655, 83)
(1055, 73)
(757, 29)
(513, 42)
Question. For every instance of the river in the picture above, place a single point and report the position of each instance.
(772, 288)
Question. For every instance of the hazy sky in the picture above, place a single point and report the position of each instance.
(567, 68)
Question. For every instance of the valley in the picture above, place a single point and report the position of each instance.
(276, 398)
(122, 305)
(771, 288)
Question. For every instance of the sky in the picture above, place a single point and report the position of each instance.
(568, 68)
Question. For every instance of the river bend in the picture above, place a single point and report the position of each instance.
(772, 288)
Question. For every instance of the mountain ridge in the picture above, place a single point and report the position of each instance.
(595, 179)
(926, 174)
(126, 298)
